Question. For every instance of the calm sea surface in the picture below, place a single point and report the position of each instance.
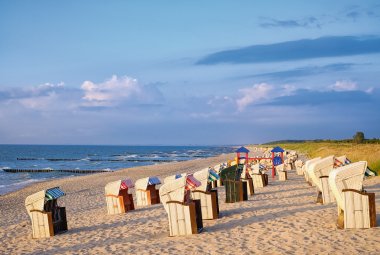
(63, 157)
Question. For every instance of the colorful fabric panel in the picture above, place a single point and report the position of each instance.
(338, 163)
(192, 183)
(154, 180)
(126, 184)
(54, 193)
(213, 176)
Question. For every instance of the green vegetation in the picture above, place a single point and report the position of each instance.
(354, 151)
(358, 137)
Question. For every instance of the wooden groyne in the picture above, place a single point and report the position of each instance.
(77, 171)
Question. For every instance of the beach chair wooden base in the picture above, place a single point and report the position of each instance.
(150, 196)
(184, 219)
(236, 191)
(250, 187)
(119, 204)
(209, 203)
(260, 180)
(327, 195)
(282, 175)
(359, 209)
(43, 224)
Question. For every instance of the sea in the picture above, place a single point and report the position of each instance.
(87, 157)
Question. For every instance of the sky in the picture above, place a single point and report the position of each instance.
(188, 72)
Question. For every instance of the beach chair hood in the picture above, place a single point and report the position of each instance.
(205, 176)
(113, 188)
(347, 177)
(320, 168)
(176, 190)
(308, 162)
(173, 177)
(144, 182)
(37, 200)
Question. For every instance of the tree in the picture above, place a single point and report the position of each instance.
(358, 137)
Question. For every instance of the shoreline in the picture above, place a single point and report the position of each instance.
(170, 154)
(281, 218)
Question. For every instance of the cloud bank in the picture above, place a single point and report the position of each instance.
(124, 111)
(333, 46)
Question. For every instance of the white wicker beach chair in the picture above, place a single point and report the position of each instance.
(207, 196)
(299, 164)
(259, 179)
(118, 196)
(184, 214)
(48, 219)
(146, 191)
(318, 172)
(306, 166)
(356, 209)
(281, 172)
(246, 177)
(217, 169)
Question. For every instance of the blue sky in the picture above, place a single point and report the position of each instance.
(188, 72)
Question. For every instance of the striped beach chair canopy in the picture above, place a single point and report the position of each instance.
(37, 200)
(113, 188)
(176, 190)
(192, 182)
(126, 184)
(54, 193)
(205, 176)
(144, 182)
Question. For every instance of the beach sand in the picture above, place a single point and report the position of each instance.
(281, 218)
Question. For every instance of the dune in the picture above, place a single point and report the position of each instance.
(281, 218)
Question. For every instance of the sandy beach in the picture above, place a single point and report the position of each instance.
(281, 218)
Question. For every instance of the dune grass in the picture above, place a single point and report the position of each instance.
(354, 152)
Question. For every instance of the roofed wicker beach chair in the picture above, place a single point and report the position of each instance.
(246, 177)
(291, 157)
(356, 208)
(236, 189)
(146, 191)
(281, 172)
(206, 194)
(118, 196)
(306, 166)
(48, 219)
(184, 214)
(318, 172)
(217, 169)
(299, 164)
(259, 177)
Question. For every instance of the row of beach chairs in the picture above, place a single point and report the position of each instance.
(339, 181)
(188, 199)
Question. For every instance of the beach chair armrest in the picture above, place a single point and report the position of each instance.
(110, 195)
(176, 202)
(36, 210)
(201, 191)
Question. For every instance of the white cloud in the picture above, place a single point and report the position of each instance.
(344, 86)
(254, 94)
(39, 97)
(118, 90)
